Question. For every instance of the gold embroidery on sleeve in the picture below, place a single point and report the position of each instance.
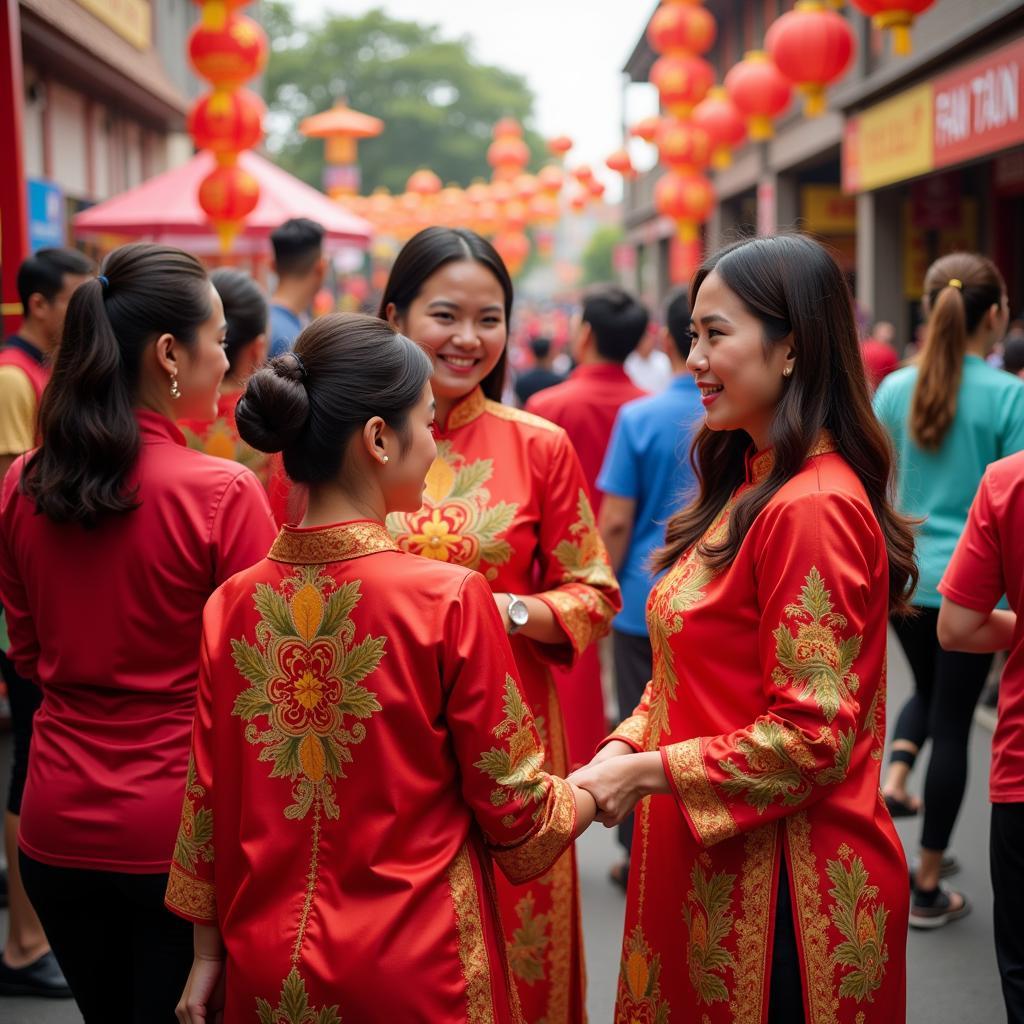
(817, 659)
(710, 817)
(709, 920)
(472, 951)
(539, 851)
(190, 895)
(195, 834)
(633, 730)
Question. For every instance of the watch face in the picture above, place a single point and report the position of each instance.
(518, 612)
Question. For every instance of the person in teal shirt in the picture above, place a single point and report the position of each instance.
(949, 414)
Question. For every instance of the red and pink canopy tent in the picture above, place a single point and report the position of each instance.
(166, 209)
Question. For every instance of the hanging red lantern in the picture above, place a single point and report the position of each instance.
(227, 122)
(682, 81)
(508, 155)
(682, 27)
(579, 201)
(760, 91)
(582, 174)
(227, 195)
(551, 179)
(896, 16)
(423, 182)
(228, 56)
(488, 217)
(559, 145)
(621, 163)
(812, 46)
(526, 186)
(595, 188)
(515, 213)
(682, 145)
(717, 115)
(687, 198)
(507, 126)
(513, 247)
(544, 210)
(647, 129)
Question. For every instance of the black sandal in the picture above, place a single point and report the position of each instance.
(899, 808)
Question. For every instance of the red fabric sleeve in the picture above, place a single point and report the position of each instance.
(243, 527)
(974, 576)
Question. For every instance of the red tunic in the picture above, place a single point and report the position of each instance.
(768, 706)
(361, 751)
(506, 496)
(585, 406)
(107, 622)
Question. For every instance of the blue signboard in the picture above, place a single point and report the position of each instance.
(45, 215)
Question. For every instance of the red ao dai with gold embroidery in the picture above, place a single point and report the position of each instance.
(767, 704)
(361, 752)
(506, 496)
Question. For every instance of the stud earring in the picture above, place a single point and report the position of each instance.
(175, 390)
(384, 460)
(788, 371)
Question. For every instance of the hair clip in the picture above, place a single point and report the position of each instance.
(955, 282)
(104, 281)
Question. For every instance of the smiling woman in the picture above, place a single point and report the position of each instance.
(506, 496)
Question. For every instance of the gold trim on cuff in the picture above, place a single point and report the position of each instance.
(190, 896)
(632, 731)
(709, 817)
(542, 848)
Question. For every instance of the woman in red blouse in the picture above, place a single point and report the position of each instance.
(768, 881)
(112, 536)
(362, 748)
(506, 496)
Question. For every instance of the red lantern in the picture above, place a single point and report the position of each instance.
(682, 81)
(551, 179)
(682, 145)
(508, 126)
(559, 145)
(760, 91)
(687, 198)
(544, 210)
(579, 201)
(896, 15)
(583, 174)
(684, 27)
(812, 46)
(488, 217)
(620, 162)
(227, 195)
(515, 214)
(526, 186)
(508, 155)
(513, 247)
(227, 122)
(647, 129)
(717, 115)
(228, 56)
(595, 188)
(423, 182)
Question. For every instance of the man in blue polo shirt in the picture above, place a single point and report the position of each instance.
(646, 477)
(300, 267)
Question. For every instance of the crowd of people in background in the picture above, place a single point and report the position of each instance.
(268, 577)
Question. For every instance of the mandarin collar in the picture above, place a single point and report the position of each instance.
(319, 545)
(465, 410)
(759, 464)
(155, 427)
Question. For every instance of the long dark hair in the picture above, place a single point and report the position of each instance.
(90, 437)
(959, 290)
(423, 255)
(245, 310)
(345, 369)
(797, 291)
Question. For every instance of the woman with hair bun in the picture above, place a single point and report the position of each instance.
(507, 496)
(362, 749)
(112, 536)
(950, 415)
(767, 881)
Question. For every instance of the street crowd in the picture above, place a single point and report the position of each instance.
(305, 621)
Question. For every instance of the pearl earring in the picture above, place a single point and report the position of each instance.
(175, 389)
(384, 459)
(787, 371)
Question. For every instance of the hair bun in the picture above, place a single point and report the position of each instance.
(274, 410)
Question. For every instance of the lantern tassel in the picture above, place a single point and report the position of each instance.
(814, 100)
(721, 158)
(902, 43)
(226, 232)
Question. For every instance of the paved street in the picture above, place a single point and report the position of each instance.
(952, 972)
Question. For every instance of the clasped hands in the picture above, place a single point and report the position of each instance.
(618, 777)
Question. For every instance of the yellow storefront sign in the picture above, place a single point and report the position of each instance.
(130, 19)
(825, 210)
(891, 141)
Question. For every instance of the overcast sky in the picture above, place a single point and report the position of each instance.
(571, 53)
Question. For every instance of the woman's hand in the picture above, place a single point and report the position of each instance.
(617, 783)
(202, 1002)
(613, 748)
(586, 810)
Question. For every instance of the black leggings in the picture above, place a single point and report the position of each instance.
(124, 954)
(786, 994)
(947, 685)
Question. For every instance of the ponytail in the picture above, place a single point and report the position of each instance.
(90, 436)
(959, 291)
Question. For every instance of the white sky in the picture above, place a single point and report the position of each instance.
(571, 53)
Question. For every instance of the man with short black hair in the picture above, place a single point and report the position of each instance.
(541, 375)
(300, 266)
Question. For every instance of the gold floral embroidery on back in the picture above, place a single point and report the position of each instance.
(709, 921)
(457, 522)
(639, 999)
(293, 1006)
(818, 659)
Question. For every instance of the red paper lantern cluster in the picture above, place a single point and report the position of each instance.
(681, 30)
(812, 46)
(227, 49)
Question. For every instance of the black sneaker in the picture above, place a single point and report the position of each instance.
(936, 908)
(42, 977)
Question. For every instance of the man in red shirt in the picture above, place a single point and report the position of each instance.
(611, 325)
(879, 356)
(988, 563)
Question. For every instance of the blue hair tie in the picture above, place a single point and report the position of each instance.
(104, 280)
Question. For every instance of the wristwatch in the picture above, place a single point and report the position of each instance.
(518, 614)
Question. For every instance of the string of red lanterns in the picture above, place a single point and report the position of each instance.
(227, 49)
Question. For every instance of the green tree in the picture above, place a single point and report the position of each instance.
(598, 257)
(439, 104)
